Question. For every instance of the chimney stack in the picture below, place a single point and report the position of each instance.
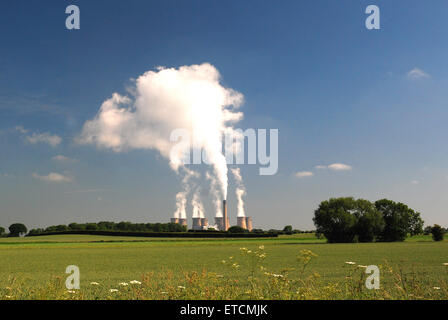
(226, 223)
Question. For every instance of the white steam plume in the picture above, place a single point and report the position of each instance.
(181, 197)
(240, 191)
(217, 199)
(198, 208)
(190, 98)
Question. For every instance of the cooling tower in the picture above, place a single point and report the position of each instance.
(241, 222)
(249, 223)
(174, 220)
(219, 221)
(204, 222)
(226, 223)
(183, 222)
(197, 224)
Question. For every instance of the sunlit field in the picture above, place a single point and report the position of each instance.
(289, 267)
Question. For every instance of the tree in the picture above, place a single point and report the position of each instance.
(370, 222)
(399, 219)
(2, 231)
(236, 229)
(415, 223)
(287, 229)
(17, 229)
(333, 218)
(437, 232)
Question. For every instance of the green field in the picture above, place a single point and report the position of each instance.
(34, 268)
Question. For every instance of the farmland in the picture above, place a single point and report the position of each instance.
(289, 267)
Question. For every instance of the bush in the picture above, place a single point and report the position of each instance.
(236, 229)
(2, 231)
(437, 232)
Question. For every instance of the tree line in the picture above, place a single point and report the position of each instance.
(359, 220)
(112, 226)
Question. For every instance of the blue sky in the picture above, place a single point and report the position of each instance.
(337, 92)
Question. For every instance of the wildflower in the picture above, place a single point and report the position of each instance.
(277, 275)
(446, 264)
(261, 247)
(219, 276)
(350, 262)
(164, 292)
(361, 266)
(113, 290)
(235, 265)
(181, 287)
(8, 297)
(71, 291)
(436, 288)
(124, 284)
(223, 261)
(135, 282)
(94, 283)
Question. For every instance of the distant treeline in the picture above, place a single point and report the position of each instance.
(111, 226)
(210, 234)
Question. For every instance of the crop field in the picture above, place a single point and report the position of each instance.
(289, 267)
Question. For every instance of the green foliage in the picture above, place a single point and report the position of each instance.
(112, 226)
(370, 222)
(437, 233)
(236, 229)
(350, 220)
(400, 220)
(2, 231)
(16, 229)
(287, 229)
(338, 219)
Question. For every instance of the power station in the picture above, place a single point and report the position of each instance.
(221, 223)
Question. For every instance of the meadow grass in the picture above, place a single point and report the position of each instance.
(34, 268)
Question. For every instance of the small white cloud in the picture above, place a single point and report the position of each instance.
(62, 158)
(335, 167)
(417, 73)
(53, 177)
(339, 167)
(52, 140)
(20, 129)
(303, 174)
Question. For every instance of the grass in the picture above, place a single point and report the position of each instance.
(34, 268)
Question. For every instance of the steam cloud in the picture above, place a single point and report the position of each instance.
(240, 191)
(190, 98)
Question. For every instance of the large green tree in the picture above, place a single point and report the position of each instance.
(16, 229)
(399, 219)
(334, 219)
